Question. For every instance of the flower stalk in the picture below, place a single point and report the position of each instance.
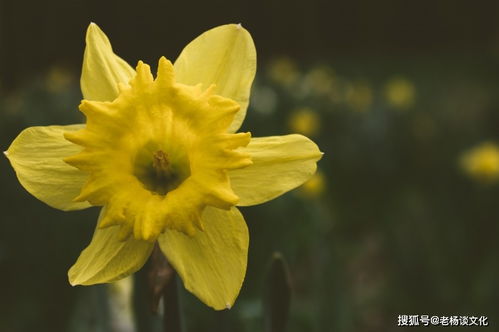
(162, 285)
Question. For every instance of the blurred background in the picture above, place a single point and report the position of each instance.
(402, 216)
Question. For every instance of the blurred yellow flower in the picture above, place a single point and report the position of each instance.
(57, 79)
(163, 159)
(315, 186)
(304, 121)
(400, 93)
(482, 162)
(13, 103)
(359, 95)
(319, 81)
(283, 71)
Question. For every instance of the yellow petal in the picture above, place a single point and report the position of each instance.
(212, 263)
(102, 69)
(280, 163)
(36, 155)
(107, 258)
(224, 56)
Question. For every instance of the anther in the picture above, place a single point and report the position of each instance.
(160, 161)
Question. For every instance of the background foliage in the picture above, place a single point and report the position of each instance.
(394, 93)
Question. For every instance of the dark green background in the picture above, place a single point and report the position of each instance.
(400, 228)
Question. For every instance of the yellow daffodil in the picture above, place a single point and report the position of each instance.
(315, 186)
(283, 71)
(482, 162)
(400, 93)
(359, 96)
(304, 121)
(161, 156)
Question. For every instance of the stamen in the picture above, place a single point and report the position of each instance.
(157, 170)
(160, 162)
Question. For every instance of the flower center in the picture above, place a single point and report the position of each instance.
(157, 172)
(158, 154)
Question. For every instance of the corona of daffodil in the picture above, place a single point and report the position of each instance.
(161, 156)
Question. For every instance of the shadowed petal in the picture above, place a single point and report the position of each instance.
(212, 263)
(108, 258)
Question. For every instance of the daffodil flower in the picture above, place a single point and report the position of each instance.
(161, 156)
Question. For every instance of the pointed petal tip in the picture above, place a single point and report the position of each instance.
(71, 279)
(77, 282)
(6, 153)
(228, 306)
(92, 27)
(239, 28)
